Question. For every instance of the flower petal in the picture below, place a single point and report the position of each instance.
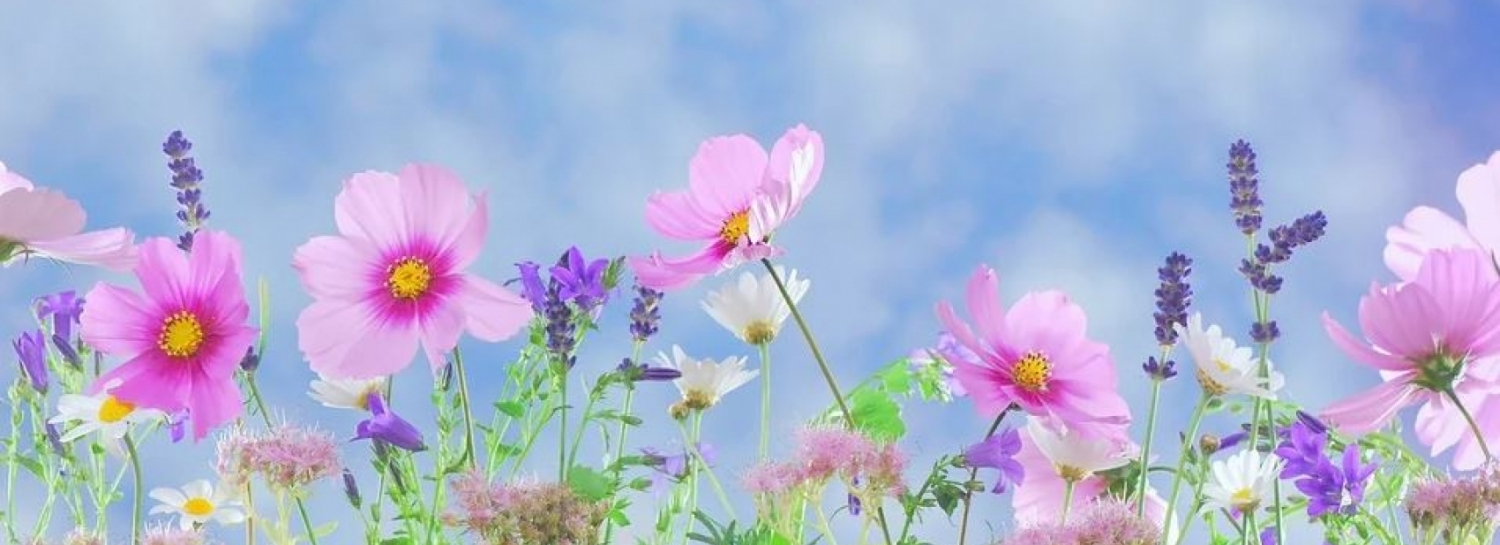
(726, 173)
(492, 313)
(1370, 410)
(113, 249)
(1478, 192)
(38, 215)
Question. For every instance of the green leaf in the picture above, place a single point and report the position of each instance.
(32, 466)
(513, 409)
(896, 377)
(402, 540)
(588, 484)
(877, 415)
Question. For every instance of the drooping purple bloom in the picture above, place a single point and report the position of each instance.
(1336, 488)
(1302, 450)
(185, 178)
(674, 467)
(69, 355)
(1159, 370)
(646, 313)
(532, 287)
(1268, 536)
(63, 308)
(385, 426)
(582, 281)
(1173, 297)
(177, 425)
(351, 488)
(55, 439)
(635, 372)
(998, 452)
(1244, 188)
(31, 348)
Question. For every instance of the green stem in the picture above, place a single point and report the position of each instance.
(963, 528)
(635, 354)
(1067, 500)
(463, 393)
(692, 502)
(562, 428)
(1473, 426)
(1182, 457)
(139, 492)
(12, 448)
(827, 528)
(713, 480)
(1140, 500)
(583, 424)
(765, 400)
(260, 403)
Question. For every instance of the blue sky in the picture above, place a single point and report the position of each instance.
(1070, 146)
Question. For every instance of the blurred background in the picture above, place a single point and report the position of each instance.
(1069, 145)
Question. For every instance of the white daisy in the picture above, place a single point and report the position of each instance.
(752, 308)
(103, 413)
(704, 382)
(1242, 482)
(1224, 367)
(197, 503)
(1076, 457)
(346, 393)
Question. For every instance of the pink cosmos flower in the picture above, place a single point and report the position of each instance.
(45, 223)
(1049, 457)
(1036, 355)
(183, 336)
(1426, 228)
(395, 276)
(737, 197)
(1438, 332)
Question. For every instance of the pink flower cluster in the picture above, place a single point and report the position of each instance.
(513, 514)
(1456, 507)
(871, 470)
(154, 535)
(1103, 522)
(288, 457)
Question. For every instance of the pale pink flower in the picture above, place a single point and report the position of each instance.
(1426, 228)
(1051, 457)
(395, 276)
(1105, 521)
(737, 197)
(182, 336)
(46, 223)
(505, 514)
(1036, 355)
(1439, 331)
(166, 535)
(287, 457)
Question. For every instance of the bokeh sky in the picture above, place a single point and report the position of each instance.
(1070, 145)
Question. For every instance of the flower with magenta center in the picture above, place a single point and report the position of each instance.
(1036, 355)
(45, 223)
(396, 276)
(182, 336)
(736, 199)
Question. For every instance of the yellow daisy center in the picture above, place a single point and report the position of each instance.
(736, 227)
(1244, 500)
(1033, 371)
(1210, 386)
(759, 332)
(113, 410)
(408, 278)
(198, 507)
(181, 335)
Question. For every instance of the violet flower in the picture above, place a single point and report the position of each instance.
(634, 372)
(1244, 188)
(645, 315)
(1173, 297)
(64, 308)
(185, 178)
(31, 348)
(385, 426)
(998, 452)
(581, 281)
(1336, 488)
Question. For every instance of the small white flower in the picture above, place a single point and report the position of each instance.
(103, 413)
(1224, 367)
(704, 382)
(1076, 457)
(1242, 482)
(752, 308)
(197, 503)
(345, 393)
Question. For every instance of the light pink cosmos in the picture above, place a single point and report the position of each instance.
(45, 223)
(182, 336)
(1426, 228)
(737, 197)
(1039, 496)
(395, 276)
(1036, 355)
(1441, 329)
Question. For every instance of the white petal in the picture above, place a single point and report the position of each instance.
(200, 488)
(169, 496)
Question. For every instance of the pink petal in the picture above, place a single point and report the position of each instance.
(118, 322)
(1370, 410)
(1465, 293)
(231, 339)
(1423, 229)
(725, 174)
(464, 247)
(435, 202)
(796, 164)
(676, 215)
(983, 298)
(214, 261)
(162, 271)
(11, 181)
(1439, 425)
(1486, 412)
(1401, 321)
(441, 326)
(492, 313)
(153, 381)
(1360, 351)
(1479, 192)
(341, 339)
(213, 402)
(38, 215)
(985, 385)
(113, 249)
(958, 328)
(663, 274)
(335, 267)
(1047, 321)
(370, 207)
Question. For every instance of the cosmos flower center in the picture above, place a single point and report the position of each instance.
(1071, 474)
(759, 332)
(1033, 371)
(113, 410)
(181, 335)
(408, 278)
(198, 507)
(736, 227)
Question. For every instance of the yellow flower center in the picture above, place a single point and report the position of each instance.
(408, 278)
(1070, 473)
(698, 399)
(759, 332)
(1244, 500)
(1033, 371)
(198, 507)
(181, 335)
(1210, 386)
(1225, 367)
(736, 227)
(114, 410)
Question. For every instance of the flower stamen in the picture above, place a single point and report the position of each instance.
(181, 335)
(1033, 371)
(408, 278)
(113, 410)
(198, 507)
(736, 228)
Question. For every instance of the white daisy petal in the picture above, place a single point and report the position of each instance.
(752, 308)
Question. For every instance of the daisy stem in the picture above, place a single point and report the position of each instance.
(1140, 498)
(827, 528)
(135, 506)
(1249, 528)
(635, 354)
(692, 474)
(963, 527)
(463, 395)
(713, 480)
(1182, 457)
(1473, 426)
(1067, 500)
(765, 400)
